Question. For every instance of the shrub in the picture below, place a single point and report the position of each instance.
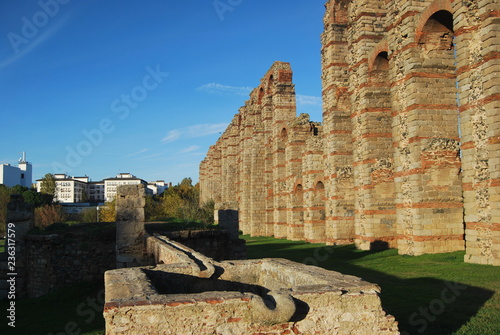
(48, 215)
(107, 213)
(88, 215)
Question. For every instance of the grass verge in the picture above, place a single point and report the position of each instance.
(76, 309)
(429, 294)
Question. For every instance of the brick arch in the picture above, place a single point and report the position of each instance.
(260, 95)
(381, 47)
(284, 134)
(433, 8)
(270, 84)
(298, 188)
(316, 181)
(338, 11)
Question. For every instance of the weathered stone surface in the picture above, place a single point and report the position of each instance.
(388, 167)
(19, 221)
(130, 233)
(242, 297)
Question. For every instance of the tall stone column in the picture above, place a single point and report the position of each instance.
(477, 26)
(337, 127)
(130, 233)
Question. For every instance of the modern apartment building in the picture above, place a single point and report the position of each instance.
(111, 184)
(95, 191)
(68, 189)
(157, 187)
(82, 189)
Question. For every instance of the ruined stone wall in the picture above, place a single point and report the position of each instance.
(269, 296)
(215, 244)
(55, 261)
(13, 261)
(409, 142)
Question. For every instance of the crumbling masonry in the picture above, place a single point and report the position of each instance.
(408, 153)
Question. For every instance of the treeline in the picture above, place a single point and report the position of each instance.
(177, 202)
(42, 202)
(181, 201)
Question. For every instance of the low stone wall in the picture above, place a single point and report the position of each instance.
(166, 251)
(216, 244)
(269, 296)
(58, 260)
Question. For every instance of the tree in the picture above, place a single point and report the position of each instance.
(49, 214)
(107, 213)
(36, 198)
(48, 184)
(4, 200)
(153, 209)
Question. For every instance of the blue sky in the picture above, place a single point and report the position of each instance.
(102, 87)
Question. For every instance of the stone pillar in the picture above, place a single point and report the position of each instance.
(130, 233)
(226, 216)
(477, 26)
(314, 192)
(337, 125)
(427, 163)
(19, 221)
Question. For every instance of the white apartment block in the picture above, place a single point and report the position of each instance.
(20, 175)
(81, 189)
(157, 187)
(111, 184)
(68, 189)
(96, 191)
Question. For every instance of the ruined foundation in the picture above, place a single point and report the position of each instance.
(195, 295)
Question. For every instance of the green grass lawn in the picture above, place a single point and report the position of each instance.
(430, 294)
(76, 309)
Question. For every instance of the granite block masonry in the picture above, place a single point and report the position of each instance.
(189, 293)
(130, 232)
(407, 155)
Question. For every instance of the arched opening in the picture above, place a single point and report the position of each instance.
(296, 226)
(437, 33)
(375, 192)
(270, 84)
(284, 135)
(315, 218)
(338, 12)
(320, 186)
(261, 95)
(279, 184)
(380, 68)
(431, 126)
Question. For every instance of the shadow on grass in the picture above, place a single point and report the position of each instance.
(76, 309)
(424, 305)
(421, 305)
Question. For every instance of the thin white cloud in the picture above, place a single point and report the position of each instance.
(189, 149)
(138, 152)
(201, 130)
(36, 41)
(308, 100)
(172, 135)
(194, 131)
(216, 88)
